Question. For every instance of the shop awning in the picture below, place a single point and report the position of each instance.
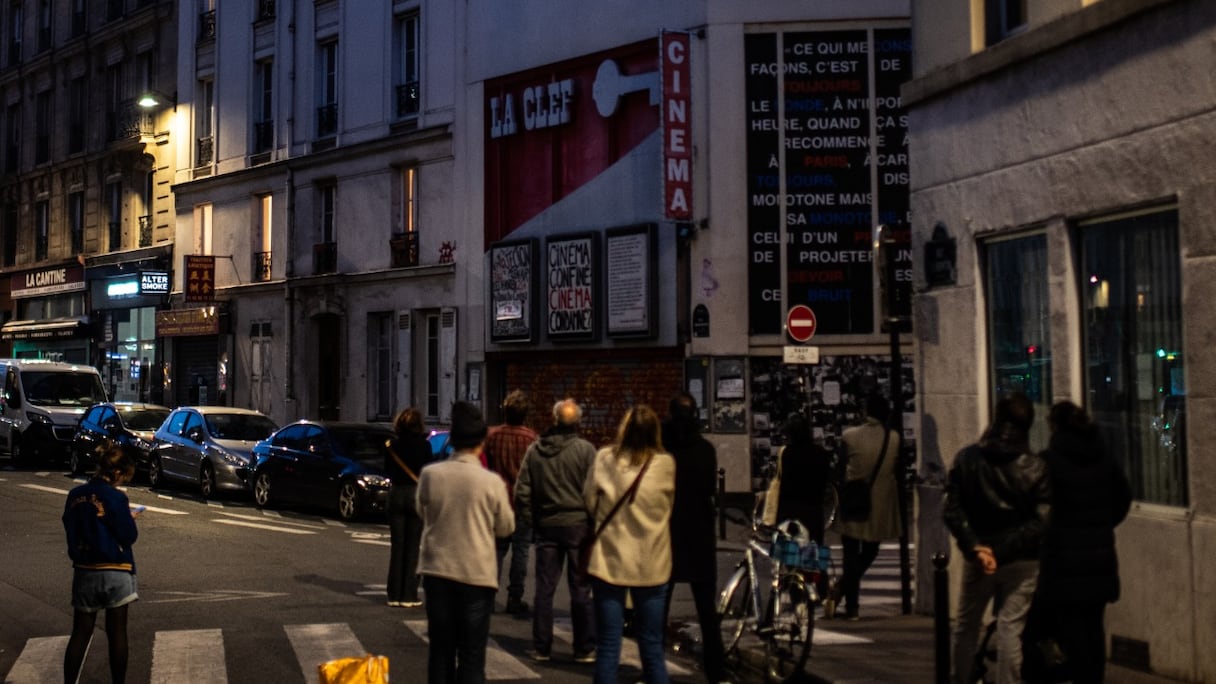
(45, 329)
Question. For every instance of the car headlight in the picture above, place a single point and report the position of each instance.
(141, 444)
(234, 459)
(38, 418)
(367, 480)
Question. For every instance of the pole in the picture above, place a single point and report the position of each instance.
(885, 244)
(721, 503)
(941, 618)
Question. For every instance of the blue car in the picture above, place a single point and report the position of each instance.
(327, 464)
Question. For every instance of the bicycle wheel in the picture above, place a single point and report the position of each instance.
(735, 610)
(789, 622)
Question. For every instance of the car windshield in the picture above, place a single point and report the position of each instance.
(144, 419)
(59, 388)
(365, 445)
(240, 426)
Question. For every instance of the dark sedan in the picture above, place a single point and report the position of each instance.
(321, 463)
(129, 425)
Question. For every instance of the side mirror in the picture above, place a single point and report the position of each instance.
(112, 426)
(196, 435)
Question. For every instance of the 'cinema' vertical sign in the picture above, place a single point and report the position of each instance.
(677, 137)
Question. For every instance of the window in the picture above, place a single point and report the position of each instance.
(114, 197)
(45, 35)
(12, 138)
(432, 373)
(202, 229)
(10, 233)
(42, 228)
(115, 94)
(1019, 334)
(264, 205)
(263, 114)
(325, 252)
(145, 219)
(77, 114)
(145, 73)
(76, 221)
(16, 29)
(114, 9)
(261, 385)
(404, 243)
(206, 20)
(42, 127)
(1133, 355)
(327, 90)
(327, 197)
(80, 18)
(1003, 18)
(204, 124)
(408, 71)
(380, 330)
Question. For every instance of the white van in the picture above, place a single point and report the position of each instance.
(40, 406)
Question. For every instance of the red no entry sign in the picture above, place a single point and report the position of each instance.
(800, 323)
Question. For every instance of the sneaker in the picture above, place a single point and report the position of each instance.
(516, 607)
(587, 657)
(538, 656)
(410, 604)
(393, 604)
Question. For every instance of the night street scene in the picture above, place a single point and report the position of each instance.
(630, 341)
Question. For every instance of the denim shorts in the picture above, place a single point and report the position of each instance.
(94, 590)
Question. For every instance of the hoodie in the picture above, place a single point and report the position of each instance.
(100, 529)
(549, 492)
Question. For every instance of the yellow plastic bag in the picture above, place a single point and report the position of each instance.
(365, 669)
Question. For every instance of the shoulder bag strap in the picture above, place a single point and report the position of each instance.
(882, 454)
(407, 469)
(628, 496)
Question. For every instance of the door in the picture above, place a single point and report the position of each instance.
(329, 366)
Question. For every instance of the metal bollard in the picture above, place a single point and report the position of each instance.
(941, 617)
(721, 503)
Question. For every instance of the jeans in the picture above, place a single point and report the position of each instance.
(519, 541)
(556, 546)
(649, 604)
(1010, 589)
(705, 598)
(858, 556)
(405, 533)
(458, 625)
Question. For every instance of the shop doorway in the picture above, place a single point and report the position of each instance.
(328, 359)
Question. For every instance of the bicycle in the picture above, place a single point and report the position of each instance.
(788, 621)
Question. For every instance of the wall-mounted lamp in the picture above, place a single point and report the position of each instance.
(155, 100)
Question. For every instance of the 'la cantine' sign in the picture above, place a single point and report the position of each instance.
(44, 281)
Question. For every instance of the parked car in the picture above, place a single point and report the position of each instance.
(323, 463)
(40, 405)
(208, 446)
(129, 425)
(441, 444)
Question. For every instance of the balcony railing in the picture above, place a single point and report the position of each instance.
(204, 153)
(327, 120)
(129, 121)
(115, 236)
(145, 231)
(265, 10)
(407, 99)
(263, 136)
(261, 266)
(404, 249)
(325, 258)
(206, 25)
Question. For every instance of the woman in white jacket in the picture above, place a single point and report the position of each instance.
(632, 553)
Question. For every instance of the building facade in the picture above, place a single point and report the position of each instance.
(86, 220)
(1062, 198)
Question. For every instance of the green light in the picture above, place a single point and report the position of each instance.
(1161, 353)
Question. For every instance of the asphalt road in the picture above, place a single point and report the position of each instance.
(230, 593)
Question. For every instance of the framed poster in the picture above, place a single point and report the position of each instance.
(730, 407)
(632, 294)
(572, 286)
(513, 284)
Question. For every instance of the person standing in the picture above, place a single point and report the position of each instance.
(100, 529)
(407, 452)
(805, 468)
(996, 505)
(505, 449)
(694, 544)
(1078, 568)
(464, 508)
(549, 498)
(862, 446)
(632, 553)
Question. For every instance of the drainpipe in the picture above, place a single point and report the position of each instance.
(289, 387)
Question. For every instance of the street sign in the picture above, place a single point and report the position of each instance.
(200, 278)
(800, 323)
(799, 354)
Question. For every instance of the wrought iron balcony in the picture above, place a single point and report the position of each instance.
(324, 258)
(129, 121)
(204, 153)
(265, 10)
(261, 266)
(263, 136)
(327, 120)
(407, 99)
(206, 25)
(404, 249)
(145, 231)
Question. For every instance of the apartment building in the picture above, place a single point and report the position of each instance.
(1062, 198)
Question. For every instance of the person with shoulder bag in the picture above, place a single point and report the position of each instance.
(405, 454)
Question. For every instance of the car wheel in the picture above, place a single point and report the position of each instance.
(74, 462)
(261, 490)
(156, 475)
(348, 500)
(206, 480)
(14, 451)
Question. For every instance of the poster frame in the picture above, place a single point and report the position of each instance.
(529, 325)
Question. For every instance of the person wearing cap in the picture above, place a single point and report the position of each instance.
(464, 509)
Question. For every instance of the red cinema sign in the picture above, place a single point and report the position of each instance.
(677, 134)
(800, 323)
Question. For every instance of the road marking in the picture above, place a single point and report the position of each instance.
(277, 519)
(630, 655)
(333, 523)
(188, 655)
(40, 661)
(826, 637)
(499, 663)
(243, 523)
(373, 590)
(317, 644)
(54, 490)
(373, 542)
(213, 596)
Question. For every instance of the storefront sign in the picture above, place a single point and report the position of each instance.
(544, 106)
(46, 281)
(629, 281)
(200, 278)
(572, 269)
(677, 136)
(513, 291)
(153, 282)
(187, 322)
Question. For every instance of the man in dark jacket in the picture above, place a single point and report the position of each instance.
(693, 542)
(549, 500)
(997, 503)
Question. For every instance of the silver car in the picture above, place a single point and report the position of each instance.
(207, 446)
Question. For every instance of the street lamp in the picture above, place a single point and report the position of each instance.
(155, 100)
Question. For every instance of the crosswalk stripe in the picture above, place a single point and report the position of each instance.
(40, 661)
(188, 655)
(630, 655)
(499, 663)
(277, 519)
(319, 643)
(260, 526)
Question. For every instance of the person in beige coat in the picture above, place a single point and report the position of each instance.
(860, 538)
(632, 553)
